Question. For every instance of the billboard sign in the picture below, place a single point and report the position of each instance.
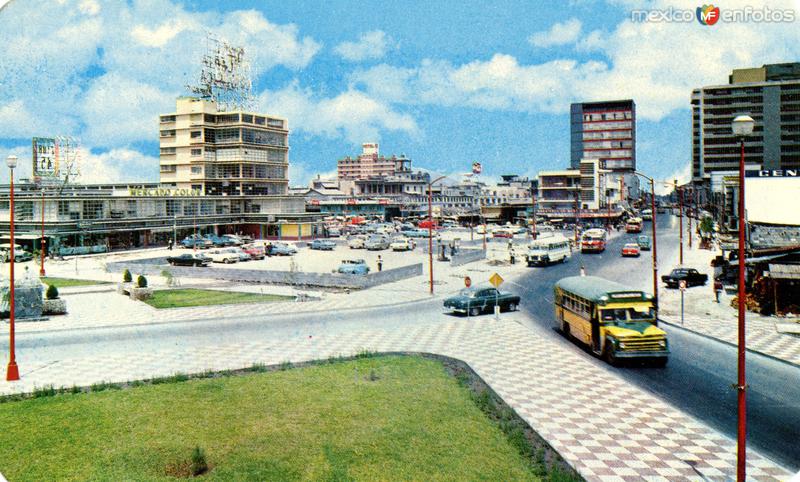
(54, 159)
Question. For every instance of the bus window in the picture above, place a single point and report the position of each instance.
(615, 315)
(641, 315)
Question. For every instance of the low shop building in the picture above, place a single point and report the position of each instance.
(79, 219)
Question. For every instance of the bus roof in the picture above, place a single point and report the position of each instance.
(593, 287)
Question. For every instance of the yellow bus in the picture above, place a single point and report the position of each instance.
(615, 321)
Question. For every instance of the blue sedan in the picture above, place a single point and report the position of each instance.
(353, 266)
(322, 244)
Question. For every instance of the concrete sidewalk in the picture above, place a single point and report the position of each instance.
(605, 427)
(720, 320)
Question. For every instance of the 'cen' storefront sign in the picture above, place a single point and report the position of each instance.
(773, 173)
(163, 192)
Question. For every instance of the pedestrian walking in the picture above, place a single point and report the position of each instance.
(583, 271)
(169, 245)
(717, 289)
(380, 264)
(268, 249)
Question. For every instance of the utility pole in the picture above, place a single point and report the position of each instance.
(680, 221)
(533, 206)
(577, 214)
(689, 215)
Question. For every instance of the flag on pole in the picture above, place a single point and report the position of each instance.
(476, 168)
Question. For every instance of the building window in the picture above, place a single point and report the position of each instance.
(167, 150)
(194, 134)
(166, 168)
(197, 170)
(247, 118)
(197, 152)
(167, 118)
(168, 133)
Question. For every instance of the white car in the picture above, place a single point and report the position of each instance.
(222, 255)
(239, 252)
(402, 244)
(357, 242)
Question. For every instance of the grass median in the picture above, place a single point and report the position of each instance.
(366, 419)
(67, 282)
(181, 298)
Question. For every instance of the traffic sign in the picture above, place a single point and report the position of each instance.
(496, 280)
(682, 284)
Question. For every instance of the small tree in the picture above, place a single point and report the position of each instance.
(52, 292)
(198, 464)
(141, 281)
(126, 276)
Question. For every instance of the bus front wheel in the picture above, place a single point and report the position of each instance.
(609, 355)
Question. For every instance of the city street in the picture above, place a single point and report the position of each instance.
(697, 379)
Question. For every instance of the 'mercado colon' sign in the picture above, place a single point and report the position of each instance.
(163, 192)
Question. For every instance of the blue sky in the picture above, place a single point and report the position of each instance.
(445, 83)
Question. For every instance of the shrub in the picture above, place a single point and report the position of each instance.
(51, 293)
(199, 465)
(141, 282)
(126, 276)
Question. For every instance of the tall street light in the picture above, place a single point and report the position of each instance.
(430, 229)
(654, 251)
(41, 243)
(742, 127)
(12, 373)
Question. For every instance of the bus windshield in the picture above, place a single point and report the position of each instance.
(626, 314)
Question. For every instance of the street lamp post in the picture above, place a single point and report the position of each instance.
(12, 372)
(430, 230)
(680, 222)
(533, 207)
(742, 127)
(654, 251)
(41, 243)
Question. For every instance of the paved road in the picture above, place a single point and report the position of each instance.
(700, 372)
(697, 379)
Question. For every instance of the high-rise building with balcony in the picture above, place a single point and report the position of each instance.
(223, 153)
(605, 131)
(771, 96)
(370, 163)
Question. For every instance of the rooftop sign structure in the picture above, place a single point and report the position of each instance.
(225, 77)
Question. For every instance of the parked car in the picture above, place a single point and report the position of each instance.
(474, 301)
(233, 239)
(630, 249)
(243, 256)
(353, 266)
(281, 249)
(503, 233)
(644, 242)
(220, 255)
(402, 244)
(189, 259)
(690, 275)
(357, 242)
(377, 243)
(419, 233)
(20, 255)
(196, 242)
(255, 251)
(322, 244)
(218, 240)
(334, 232)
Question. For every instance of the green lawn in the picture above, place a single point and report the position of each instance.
(65, 282)
(179, 298)
(383, 418)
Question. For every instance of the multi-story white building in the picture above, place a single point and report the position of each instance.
(371, 164)
(223, 153)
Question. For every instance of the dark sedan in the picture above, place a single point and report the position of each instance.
(193, 259)
(690, 275)
(474, 301)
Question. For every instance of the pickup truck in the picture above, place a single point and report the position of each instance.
(691, 275)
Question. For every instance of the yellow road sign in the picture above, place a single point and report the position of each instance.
(496, 280)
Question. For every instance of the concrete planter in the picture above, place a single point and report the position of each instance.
(141, 293)
(124, 288)
(55, 307)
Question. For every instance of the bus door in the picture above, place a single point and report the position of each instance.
(596, 330)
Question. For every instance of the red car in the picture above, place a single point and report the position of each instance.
(255, 251)
(630, 249)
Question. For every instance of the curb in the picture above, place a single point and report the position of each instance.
(734, 345)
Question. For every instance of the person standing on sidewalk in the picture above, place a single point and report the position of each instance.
(717, 289)
(380, 264)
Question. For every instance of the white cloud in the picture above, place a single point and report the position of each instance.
(123, 110)
(162, 34)
(683, 174)
(561, 33)
(16, 121)
(370, 45)
(89, 7)
(352, 115)
(656, 64)
(117, 165)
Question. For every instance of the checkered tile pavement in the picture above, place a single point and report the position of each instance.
(604, 427)
(761, 335)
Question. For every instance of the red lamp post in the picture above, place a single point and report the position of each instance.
(742, 127)
(430, 230)
(41, 243)
(12, 372)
